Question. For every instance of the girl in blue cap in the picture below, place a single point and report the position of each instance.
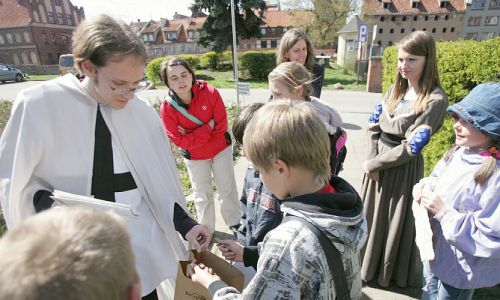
(462, 196)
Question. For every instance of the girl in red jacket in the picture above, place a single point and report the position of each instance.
(195, 119)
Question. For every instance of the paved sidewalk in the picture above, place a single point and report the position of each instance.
(354, 108)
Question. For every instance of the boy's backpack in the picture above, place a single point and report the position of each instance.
(333, 257)
(338, 150)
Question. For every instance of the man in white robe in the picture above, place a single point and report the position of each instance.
(48, 144)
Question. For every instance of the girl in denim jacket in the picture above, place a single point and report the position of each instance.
(462, 197)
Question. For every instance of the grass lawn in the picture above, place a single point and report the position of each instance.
(41, 77)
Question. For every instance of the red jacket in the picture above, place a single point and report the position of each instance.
(200, 142)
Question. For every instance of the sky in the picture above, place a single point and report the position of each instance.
(131, 10)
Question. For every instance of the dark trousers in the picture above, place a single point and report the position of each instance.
(151, 296)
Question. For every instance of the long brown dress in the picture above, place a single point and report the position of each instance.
(390, 252)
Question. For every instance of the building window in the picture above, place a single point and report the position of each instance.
(53, 34)
(69, 20)
(263, 44)
(382, 19)
(190, 34)
(404, 19)
(389, 43)
(415, 5)
(380, 30)
(452, 29)
(425, 29)
(413, 29)
(478, 4)
(2, 41)
(426, 18)
(285, 29)
(445, 29)
(27, 37)
(273, 30)
(391, 30)
(44, 37)
(60, 18)
(386, 5)
(443, 4)
(474, 21)
(51, 17)
(491, 20)
(64, 39)
(393, 19)
(274, 43)
(9, 38)
(402, 30)
(415, 18)
(263, 31)
(433, 30)
(446, 17)
(495, 4)
(17, 37)
(172, 36)
(436, 18)
(148, 37)
(57, 2)
(471, 35)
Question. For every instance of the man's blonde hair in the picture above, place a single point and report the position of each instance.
(292, 132)
(294, 76)
(67, 253)
(104, 39)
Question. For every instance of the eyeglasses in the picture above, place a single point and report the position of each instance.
(141, 85)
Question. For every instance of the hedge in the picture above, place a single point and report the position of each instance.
(153, 69)
(462, 65)
(257, 65)
(193, 60)
(210, 60)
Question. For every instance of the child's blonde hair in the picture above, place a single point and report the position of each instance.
(293, 133)
(294, 76)
(420, 43)
(67, 253)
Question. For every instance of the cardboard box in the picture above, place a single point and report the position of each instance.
(186, 289)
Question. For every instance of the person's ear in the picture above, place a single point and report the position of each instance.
(281, 167)
(299, 90)
(134, 292)
(88, 68)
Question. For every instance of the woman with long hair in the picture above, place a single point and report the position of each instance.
(411, 111)
(295, 46)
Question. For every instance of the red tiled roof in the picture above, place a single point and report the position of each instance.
(151, 27)
(173, 25)
(375, 7)
(13, 15)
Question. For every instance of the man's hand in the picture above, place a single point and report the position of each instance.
(211, 123)
(231, 250)
(199, 236)
(202, 274)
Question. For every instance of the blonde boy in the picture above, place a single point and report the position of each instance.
(68, 253)
(288, 144)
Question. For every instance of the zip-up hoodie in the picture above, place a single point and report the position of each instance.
(198, 142)
(292, 264)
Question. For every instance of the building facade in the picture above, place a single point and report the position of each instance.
(397, 18)
(481, 20)
(37, 32)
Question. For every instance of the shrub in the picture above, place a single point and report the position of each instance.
(193, 60)
(462, 65)
(210, 60)
(153, 69)
(257, 65)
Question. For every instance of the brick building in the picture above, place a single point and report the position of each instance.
(397, 18)
(36, 32)
(481, 20)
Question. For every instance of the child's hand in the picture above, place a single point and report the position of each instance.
(202, 274)
(372, 175)
(231, 250)
(432, 202)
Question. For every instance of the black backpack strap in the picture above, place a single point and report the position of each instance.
(333, 258)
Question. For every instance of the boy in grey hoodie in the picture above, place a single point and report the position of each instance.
(293, 161)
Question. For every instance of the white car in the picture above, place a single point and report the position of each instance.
(10, 73)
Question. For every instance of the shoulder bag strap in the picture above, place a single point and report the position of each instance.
(183, 111)
(333, 257)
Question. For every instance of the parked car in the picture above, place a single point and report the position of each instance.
(10, 73)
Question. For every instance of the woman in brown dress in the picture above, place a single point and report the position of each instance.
(410, 112)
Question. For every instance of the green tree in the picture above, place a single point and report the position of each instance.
(325, 18)
(216, 32)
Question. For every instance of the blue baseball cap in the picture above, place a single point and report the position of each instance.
(481, 109)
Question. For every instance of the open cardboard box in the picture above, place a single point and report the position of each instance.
(186, 289)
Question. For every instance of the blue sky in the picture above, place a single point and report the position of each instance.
(131, 10)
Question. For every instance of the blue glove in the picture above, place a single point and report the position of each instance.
(375, 116)
(419, 140)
